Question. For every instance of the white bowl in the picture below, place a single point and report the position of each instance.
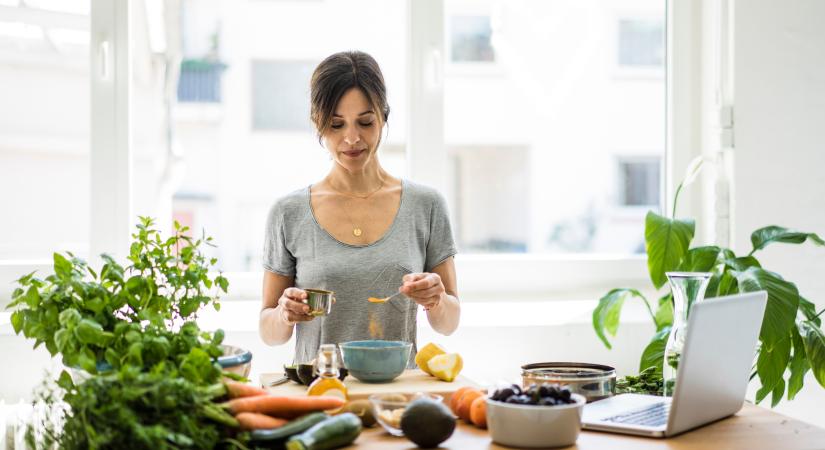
(533, 426)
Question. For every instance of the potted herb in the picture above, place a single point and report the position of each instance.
(791, 338)
(139, 315)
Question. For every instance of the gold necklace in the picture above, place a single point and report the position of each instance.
(364, 197)
(356, 230)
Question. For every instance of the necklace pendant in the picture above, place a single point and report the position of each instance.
(356, 232)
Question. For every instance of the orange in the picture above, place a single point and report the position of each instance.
(466, 401)
(456, 397)
(478, 412)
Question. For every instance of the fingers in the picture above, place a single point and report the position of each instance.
(292, 302)
(420, 281)
(413, 277)
(434, 291)
(295, 293)
(423, 288)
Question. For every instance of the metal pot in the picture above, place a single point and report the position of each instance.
(593, 381)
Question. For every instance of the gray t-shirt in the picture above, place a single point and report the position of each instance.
(295, 245)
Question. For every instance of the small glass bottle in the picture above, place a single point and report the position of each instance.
(327, 383)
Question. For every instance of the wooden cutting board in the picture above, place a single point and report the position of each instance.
(409, 382)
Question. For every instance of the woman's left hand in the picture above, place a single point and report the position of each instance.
(424, 288)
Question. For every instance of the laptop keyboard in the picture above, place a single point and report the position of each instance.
(650, 416)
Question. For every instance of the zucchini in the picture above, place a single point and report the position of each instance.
(334, 432)
(296, 426)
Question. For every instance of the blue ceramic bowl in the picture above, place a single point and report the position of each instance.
(235, 360)
(376, 361)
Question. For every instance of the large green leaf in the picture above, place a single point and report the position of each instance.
(767, 235)
(799, 365)
(742, 263)
(808, 310)
(783, 302)
(607, 313)
(654, 354)
(772, 363)
(776, 394)
(815, 349)
(700, 259)
(664, 314)
(666, 242)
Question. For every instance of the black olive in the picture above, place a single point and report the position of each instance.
(565, 394)
(512, 399)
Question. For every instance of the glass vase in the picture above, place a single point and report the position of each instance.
(687, 288)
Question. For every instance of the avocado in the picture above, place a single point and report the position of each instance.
(427, 422)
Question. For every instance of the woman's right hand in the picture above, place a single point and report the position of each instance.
(293, 308)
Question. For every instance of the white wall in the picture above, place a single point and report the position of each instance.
(779, 160)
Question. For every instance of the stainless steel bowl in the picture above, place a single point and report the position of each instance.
(593, 381)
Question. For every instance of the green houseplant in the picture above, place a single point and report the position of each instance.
(153, 381)
(139, 315)
(791, 338)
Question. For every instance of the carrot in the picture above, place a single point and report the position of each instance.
(256, 421)
(284, 407)
(237, 389)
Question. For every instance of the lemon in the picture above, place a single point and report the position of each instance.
(428, 351)
(446, 367)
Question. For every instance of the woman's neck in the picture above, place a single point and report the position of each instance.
(363, 182)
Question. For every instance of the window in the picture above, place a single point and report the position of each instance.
(545, 182)
(280, 95)
(641, 43)
(44, 129)
(492, 213)
(470, 39)
(639, 182)
(553, 110)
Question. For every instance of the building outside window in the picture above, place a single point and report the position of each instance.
(639, 181)
(641, 43)
(280, 95)
(470, 39)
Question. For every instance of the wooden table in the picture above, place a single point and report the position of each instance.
(752, 428)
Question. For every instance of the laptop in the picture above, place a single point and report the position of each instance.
(711, 380)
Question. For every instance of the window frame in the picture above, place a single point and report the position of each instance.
(550, 277)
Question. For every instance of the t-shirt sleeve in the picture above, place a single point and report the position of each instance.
(440, 244)
(277, 258)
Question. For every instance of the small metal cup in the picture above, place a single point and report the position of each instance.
(319, 301)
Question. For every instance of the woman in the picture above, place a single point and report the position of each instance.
(359, 232)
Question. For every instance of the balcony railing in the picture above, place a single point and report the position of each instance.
(200, 81)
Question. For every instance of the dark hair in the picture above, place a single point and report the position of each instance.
(337, 74)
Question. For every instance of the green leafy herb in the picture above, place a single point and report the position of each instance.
(649, 381)
(139, 315)
(136, 410)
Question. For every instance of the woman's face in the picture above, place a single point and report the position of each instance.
(353, 136)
